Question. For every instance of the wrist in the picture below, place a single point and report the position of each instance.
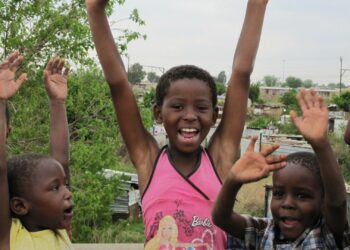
(57, 101)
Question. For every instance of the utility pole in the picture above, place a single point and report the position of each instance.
(341, 73)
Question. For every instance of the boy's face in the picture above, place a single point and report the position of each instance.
(296, 200)
(50, 199)
(187, 113)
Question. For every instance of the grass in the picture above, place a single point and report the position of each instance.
(251, 198)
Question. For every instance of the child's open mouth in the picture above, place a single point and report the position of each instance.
(189, 133)
(68, 213)
(289, 222)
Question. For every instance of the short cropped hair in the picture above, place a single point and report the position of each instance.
(181, 72)
(307, 160)
(20, 173)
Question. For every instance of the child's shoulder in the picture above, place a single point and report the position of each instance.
(21, 238)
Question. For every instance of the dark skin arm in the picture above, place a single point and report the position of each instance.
(224, 144)
(142, 147)
(8, 87)
(55, 79)
(347, 133)
(251, 167)
(313, 126)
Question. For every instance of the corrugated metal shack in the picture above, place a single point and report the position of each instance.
(128, 203)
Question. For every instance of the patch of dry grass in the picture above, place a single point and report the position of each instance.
(251, 198)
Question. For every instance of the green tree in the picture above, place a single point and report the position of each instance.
(261, 122)
(221, 77)
(289, 101)
(254, 92)
(270, 81)
(152, 77)
(42, 29)
(308, 83)
(293, 82)
(148, 98)
(220, 88)
(136, 73)
(342, 100)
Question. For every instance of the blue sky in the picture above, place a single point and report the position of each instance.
(304, 39)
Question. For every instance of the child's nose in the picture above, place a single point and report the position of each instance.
(68, 194)
(288, 202)
(190, 114)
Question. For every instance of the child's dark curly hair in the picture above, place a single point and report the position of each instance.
(21, 169)
(307, 160)
(181, 72)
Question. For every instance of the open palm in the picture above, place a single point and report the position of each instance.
(56, 79)
(253, 166)
(314, 120)
(8, 84)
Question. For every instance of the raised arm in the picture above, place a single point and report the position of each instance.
(224, 146)
(55, 79)
(141, 146)
(313, 126)
(8, 87)
(252, 166)
(347, 133)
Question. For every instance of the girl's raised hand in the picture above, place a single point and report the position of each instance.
(55, 79)
(8, 84)
(253, 166)
(314, 120)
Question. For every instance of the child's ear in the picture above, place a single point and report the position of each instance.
(157, 113)
(215, 114)
(19, 206)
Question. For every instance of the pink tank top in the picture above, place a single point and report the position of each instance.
(177, 209)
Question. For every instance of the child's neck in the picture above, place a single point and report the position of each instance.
(185, 163)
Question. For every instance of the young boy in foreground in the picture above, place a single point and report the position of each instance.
(308, 196)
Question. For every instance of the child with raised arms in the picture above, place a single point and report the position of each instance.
(35, 202)
(308, 194)
(182, 179)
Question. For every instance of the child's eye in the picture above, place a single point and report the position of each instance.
(55, 188)
(277, 194)
(301, 196)
(203, 108)
(177, 107)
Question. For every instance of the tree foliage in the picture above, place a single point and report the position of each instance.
(221, 77)
(136, 73)
(294, 82)
(289, 101)
(220, 88)
(342, 100)
(270, 81)
(152, 77)
(254, 92)
(42, 29)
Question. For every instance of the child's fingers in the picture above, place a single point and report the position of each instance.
(12, 57)
(277, 166)
(60, 66)
(273, 159)
(55, 63)
(66, 72)
(20, 80)
(301, 100)
(48, 69)
(269, 149)
(295, 119)
(15, 64)
(252, 142)
(311, 98)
